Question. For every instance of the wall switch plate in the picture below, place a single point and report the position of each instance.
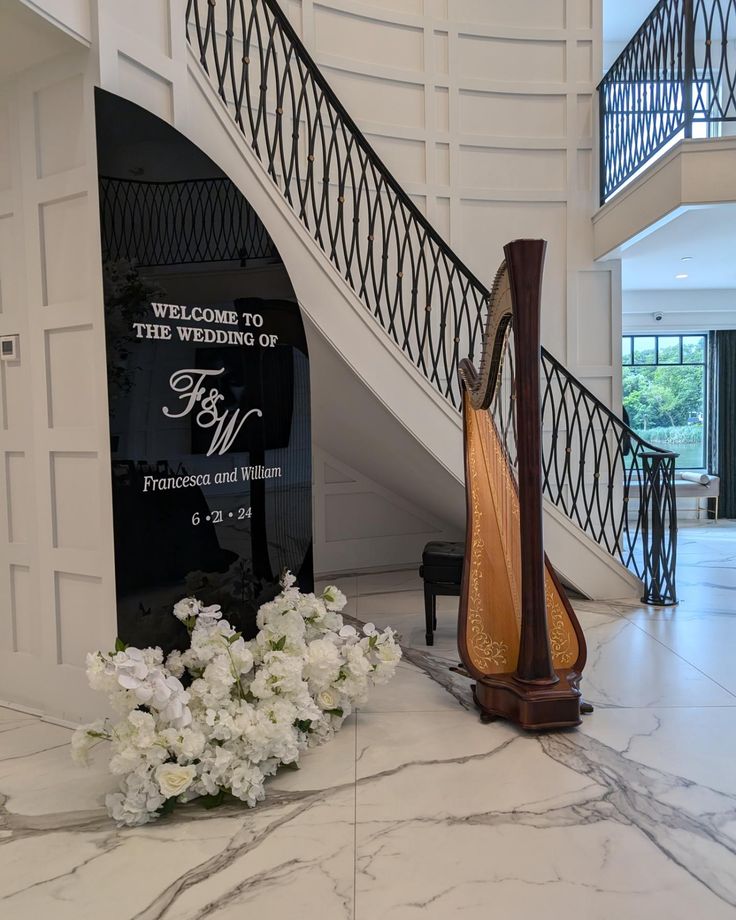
(9, 348)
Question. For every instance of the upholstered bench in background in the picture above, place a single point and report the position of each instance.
(442, 571)
(700, 486)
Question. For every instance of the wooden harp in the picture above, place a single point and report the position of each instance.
(518, 636)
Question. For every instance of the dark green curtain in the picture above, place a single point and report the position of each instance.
(722, 414)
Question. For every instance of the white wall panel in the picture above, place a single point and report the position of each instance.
(64, 263)
(539, 14)
(380, 101)
(7, 270)
(77, 597)
(482, 57)
(517, 168)
(23, 616)
(6, 175)
(151, 18)
(15, 414)
(18, 497)
(499, 115)
(594, 314)
(71, 377)
(398, 6)
(59, 114)
(146, 87)
(74, 475)
(359, 38)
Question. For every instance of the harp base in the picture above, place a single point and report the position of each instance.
(533, 708)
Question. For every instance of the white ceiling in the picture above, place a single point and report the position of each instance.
(707, 234)
(27, 38)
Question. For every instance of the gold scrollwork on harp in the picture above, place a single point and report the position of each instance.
(562, 640)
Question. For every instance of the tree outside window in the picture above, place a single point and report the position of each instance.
(664, 379)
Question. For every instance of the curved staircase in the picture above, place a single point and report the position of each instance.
(391, 309)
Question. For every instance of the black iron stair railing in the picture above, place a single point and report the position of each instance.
(419, 291)
(677, 72)
(428, 301)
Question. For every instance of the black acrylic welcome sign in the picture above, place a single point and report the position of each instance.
(208, 384)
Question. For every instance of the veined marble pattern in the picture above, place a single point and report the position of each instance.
(417, 810)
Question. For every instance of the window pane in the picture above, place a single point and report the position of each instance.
(693, 349)
(666, 406)
(669, 349)
(644, 349)
(626, 349)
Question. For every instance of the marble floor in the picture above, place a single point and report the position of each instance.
(418, 810)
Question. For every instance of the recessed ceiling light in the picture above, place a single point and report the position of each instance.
(681, 277)
(686, 259)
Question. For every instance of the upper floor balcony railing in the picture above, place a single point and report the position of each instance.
(675, 79)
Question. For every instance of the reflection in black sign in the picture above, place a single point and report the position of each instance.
(208, 386)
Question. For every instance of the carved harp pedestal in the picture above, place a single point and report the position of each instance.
(518, 636)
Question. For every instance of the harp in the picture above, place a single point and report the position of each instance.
(518, 635)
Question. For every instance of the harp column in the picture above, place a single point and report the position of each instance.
(525, 261)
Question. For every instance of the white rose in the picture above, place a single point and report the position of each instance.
(328, 699)
(173, 780)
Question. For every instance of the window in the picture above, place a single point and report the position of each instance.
(664, 393)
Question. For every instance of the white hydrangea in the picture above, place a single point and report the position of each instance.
(322, 664)
(334, 598)
(222, 715)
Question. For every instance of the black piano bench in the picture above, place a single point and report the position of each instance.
(442, 571)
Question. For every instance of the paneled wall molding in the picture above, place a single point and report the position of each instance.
(359, 524)
(56, 588)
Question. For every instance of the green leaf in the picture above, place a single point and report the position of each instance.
(234, 638)
(304, 725)
(120, 646)
(334, 712)
(278, 646)
(168, 806)
(212, 801)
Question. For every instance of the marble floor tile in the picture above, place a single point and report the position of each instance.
(566, 815)
(395, 581)
(411, 690)
(628, 667)
(706, 641)
(416, 809)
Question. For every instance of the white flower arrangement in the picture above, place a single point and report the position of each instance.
(220, 717)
